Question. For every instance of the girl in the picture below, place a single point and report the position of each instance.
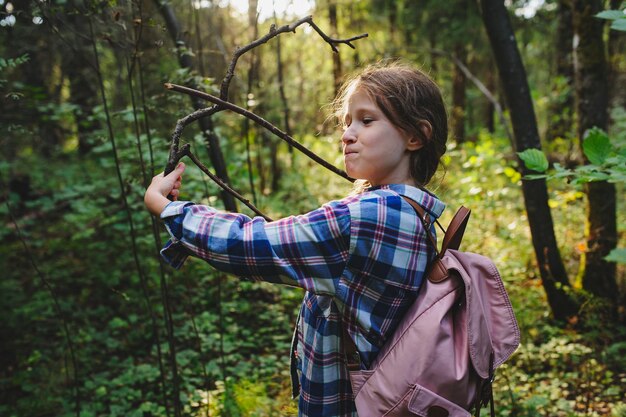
(361, 259)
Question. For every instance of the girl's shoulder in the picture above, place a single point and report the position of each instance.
(391, 196)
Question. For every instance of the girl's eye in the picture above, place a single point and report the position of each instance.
(367, 120)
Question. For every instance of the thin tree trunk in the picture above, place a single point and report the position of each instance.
(592, 101)
(83, 82)
(281, 90)
(513, 75)
(252, 76)
(49, 132)
(206, 124)
(337, 70)
(432, 43)
(82, 94)
(561, 110)
(490, 108)
(616, 44)
(458, 95)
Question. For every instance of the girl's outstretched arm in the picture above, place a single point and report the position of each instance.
(155, 197)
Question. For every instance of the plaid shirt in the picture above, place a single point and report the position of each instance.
(360, 259)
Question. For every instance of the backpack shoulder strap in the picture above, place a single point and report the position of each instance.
(451, 239)
(425, 219)
(453, 235)
(456, 229)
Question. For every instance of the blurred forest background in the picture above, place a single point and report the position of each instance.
(94, 325)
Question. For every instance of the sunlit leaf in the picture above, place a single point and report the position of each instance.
(619, 25)
(534, 159)
(611, 14)
(617, 255)
(596, 146)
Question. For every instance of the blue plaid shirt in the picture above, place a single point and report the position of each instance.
(360, 259)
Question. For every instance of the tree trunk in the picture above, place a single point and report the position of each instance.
(561, 109)
(458, 95)
(592, 101)
(513, 75)
(337, 70)
(616, 44)
(432, 43)
(206, 124)
(83, 94)
(253, 74)
(490, 108)
(281, 89)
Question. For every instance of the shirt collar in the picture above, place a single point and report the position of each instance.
(424, 198)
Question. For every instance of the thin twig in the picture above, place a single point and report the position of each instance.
(274, 31)
(221, 105)
(136, 64)
(131, 224)
(57, 307)
(186, 151)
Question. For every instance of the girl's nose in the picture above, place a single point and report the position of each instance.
(348, 136)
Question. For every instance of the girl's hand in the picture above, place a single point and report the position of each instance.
(155, 197)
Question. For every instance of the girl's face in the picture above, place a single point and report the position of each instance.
(373, 148)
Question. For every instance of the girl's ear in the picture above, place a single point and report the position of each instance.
(418, 141)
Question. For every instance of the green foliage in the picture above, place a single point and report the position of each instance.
(561, 377)
(597, 146)
(534, 160)
(12, 62)
(6, 65)
(607, 161)
(617, 18)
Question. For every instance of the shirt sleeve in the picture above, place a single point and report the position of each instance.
(308, 251)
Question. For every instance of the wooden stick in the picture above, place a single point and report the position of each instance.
(221, 104)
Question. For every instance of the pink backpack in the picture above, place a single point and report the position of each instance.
(442, 356)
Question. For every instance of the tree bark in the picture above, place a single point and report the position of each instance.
(490, 108)
(616, 46)
(253, 74)
(592, 99)
(458, 95)
(513, 76)
(206, 124)
(84, 95)
(337, 70)
(561, 110)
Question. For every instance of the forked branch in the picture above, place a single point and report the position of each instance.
(222, 103)
(274, 31)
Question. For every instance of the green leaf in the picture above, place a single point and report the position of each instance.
(534, 159)
(619, 25)
(596, 146)
(611, 14)
(617, 255)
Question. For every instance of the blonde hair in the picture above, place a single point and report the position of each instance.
(409, 99)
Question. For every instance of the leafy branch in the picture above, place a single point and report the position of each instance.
(222, 103)
(607, 162)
